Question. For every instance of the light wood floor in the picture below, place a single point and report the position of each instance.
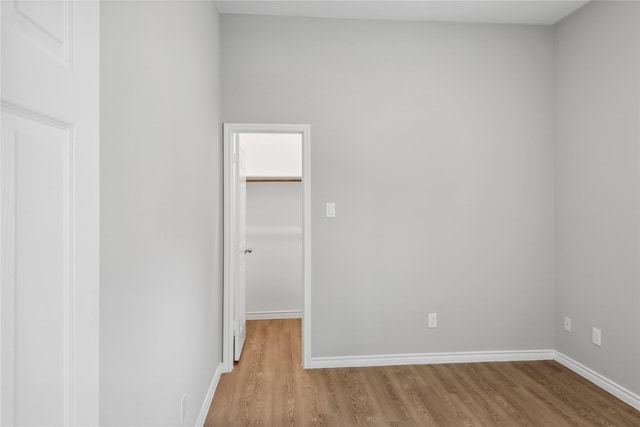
(268, 387)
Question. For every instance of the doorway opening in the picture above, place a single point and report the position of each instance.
(273, 269)
(270, 164)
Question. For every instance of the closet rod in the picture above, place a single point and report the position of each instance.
(273, 179)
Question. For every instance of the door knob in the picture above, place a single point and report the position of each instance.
(248, 250)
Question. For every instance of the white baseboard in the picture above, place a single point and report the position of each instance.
(282, 314)
(430, 358)
(209, 397)
(601, 381)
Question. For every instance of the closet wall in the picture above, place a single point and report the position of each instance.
(274, 225)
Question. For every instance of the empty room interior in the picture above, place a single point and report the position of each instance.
(336, 213)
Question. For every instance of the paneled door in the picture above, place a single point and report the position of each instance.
(49, 213)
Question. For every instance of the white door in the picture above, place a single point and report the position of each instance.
(49, 213)
(240, 286)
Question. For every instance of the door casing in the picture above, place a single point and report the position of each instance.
(231, 130)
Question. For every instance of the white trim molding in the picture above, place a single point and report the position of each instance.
(280, 314)
(601, 381)
(206, 405)
(430, 358)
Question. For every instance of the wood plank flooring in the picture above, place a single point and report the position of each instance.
(269, 388)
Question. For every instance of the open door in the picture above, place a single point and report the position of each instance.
(241, 248)
(49, 213)
(235, 249)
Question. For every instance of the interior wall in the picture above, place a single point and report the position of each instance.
(161, 283)
(435, 141)
(598, 188)
(274, 232)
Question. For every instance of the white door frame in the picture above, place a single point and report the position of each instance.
(230, 130)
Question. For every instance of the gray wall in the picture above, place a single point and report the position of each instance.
(597, 188)
(161, 210)
(274, 231)
(435, 141)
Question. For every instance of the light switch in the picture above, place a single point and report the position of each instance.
(331, 210)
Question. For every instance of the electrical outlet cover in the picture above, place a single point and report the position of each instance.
(433, 320)
(596, 337)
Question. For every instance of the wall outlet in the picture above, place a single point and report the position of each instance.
(596, 337)
(567, 324)
(432, 320)
(183, 408)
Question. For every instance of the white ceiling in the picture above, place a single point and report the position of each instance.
(546, 12)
